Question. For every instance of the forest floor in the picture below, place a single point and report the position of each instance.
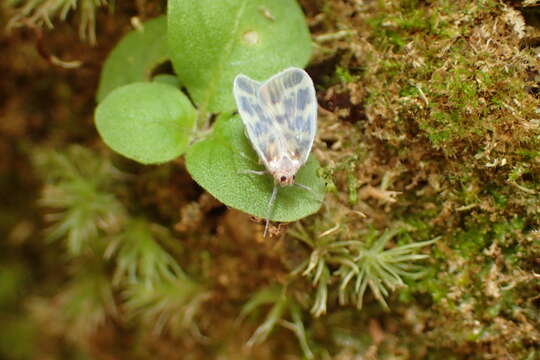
(429, 123)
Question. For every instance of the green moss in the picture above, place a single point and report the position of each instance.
(344, 75)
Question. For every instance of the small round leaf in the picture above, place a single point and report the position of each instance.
(146, 122)
(212, 41)
(217, 164)
(134, 57)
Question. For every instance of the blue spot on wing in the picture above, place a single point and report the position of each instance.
(288, 105)
(261, 115)
(245, 105)
(292, 79)
(258, 109)
(259, 129)
(302, 98)
(280, 119)
(244, 84)
(275, 96)
(298, 122)
(296, 77)
(307, 126)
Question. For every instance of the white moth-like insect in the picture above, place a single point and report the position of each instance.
(280, 117)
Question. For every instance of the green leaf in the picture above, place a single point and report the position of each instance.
(212, 41)
(135, 56)
(147, 122)
(167, 79)
(216, 164)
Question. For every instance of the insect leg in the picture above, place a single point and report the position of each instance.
(270, 208)
(249, 171)
(252, 172)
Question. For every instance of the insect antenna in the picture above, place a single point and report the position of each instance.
(270, 208)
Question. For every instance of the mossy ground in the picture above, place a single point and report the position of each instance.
(429, 121)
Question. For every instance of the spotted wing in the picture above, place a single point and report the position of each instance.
(288, 98)
(259, 128)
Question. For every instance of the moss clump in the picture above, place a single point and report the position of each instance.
(451, 126)
(429, 124)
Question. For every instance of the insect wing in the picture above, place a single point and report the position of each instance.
(288, 98)
(258, 124)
